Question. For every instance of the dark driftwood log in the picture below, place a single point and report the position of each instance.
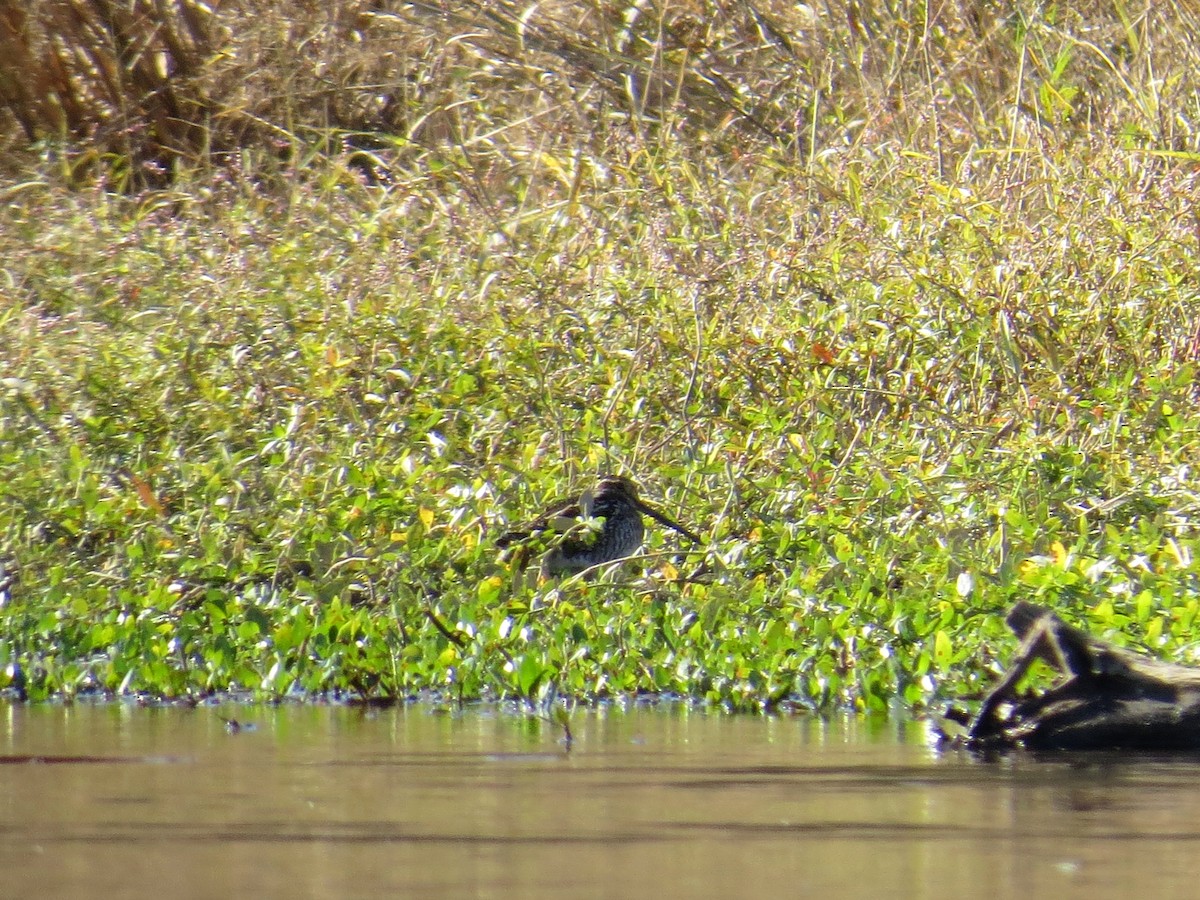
(1110, 698)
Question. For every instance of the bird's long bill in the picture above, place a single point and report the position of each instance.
(670, 523)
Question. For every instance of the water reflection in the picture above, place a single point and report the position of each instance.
(318, 802)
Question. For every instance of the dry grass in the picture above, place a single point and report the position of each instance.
(156, 84)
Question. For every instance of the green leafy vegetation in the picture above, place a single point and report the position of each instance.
(896, 308)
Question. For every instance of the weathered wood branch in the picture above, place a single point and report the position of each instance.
(1109, 699)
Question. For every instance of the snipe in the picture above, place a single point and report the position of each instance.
(613, 499)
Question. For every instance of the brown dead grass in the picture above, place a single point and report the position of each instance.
(152, 85)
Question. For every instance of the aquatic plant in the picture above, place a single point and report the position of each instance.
(901, 309)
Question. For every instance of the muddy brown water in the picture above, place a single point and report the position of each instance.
(108, 801)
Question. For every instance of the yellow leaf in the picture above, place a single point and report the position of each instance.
(942, 649)
(1059, 553)
(489, 589)
(425, 514)
(669, 571)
